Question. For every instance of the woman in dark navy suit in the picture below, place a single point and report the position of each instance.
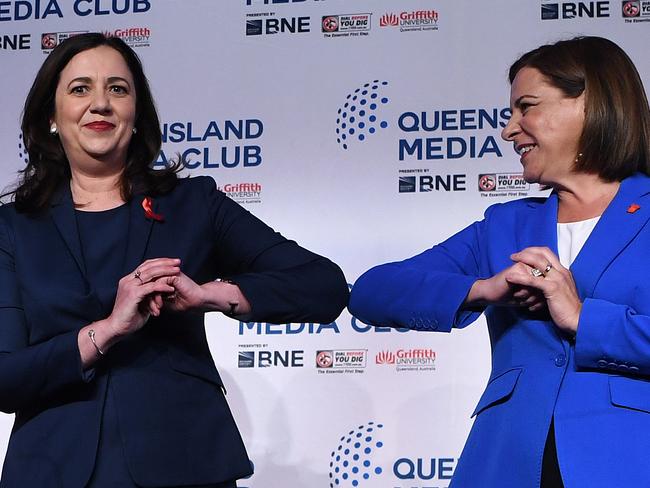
(106, 270)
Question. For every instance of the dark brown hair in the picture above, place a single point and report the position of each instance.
(615, 141)
(48, 165)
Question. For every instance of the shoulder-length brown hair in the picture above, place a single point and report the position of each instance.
(48, 165)
(615, 141)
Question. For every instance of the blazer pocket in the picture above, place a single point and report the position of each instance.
(630, 393)
(197, 366)
(498, 389)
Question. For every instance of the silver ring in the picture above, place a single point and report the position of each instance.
(536, 273)
(548, 268)
(137, 275)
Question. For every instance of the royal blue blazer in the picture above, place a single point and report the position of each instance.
(596, 387)
(175, 424)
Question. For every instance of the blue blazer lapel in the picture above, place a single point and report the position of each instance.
(539, 227)
(139, 232)
(615, 229)
(62, 212)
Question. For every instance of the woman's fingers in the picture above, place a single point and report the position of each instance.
(155, 270)
(541, 260)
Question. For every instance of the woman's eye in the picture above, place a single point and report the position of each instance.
(524, 107)
(81, 89)
(121, 90)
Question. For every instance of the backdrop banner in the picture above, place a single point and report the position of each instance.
(366, 130)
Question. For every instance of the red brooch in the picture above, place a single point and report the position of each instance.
(147, 205)
(633, 208)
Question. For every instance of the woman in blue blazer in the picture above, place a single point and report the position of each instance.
(563, 282)
(106, 271)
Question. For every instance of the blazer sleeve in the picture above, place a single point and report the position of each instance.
(29, 372)
(613, 337)
(282, 281)
(426, 291)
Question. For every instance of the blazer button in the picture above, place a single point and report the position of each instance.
(612, 365)
(560, 360)
(602, 363)
(623, 367)
(633, 369)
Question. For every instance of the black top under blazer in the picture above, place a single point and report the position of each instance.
(175, 424)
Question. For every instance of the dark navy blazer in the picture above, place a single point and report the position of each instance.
(596, 388)
(175, 424)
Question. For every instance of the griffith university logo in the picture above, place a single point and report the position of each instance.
(351, 462)
(360, 116)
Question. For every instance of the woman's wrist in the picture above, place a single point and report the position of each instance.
(224, 296)
(95, 340)
(475, 296)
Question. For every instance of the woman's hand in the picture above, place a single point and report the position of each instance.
(188, 295)
(217, 296)
(497, 290)
(139, 295)
(553, 280)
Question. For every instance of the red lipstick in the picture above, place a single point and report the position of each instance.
(100, 126)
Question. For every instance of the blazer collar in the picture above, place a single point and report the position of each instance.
(615, 229)
(66, 223)
(138, 233)
(539, 227)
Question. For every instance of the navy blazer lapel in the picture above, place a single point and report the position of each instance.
(539, 227)
(139, 232)
(62, 212)
(615, 229)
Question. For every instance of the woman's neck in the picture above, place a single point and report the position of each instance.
(96, 193)
(584, 197)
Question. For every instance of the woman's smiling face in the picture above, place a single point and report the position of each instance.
(95, 106)
(545, 127)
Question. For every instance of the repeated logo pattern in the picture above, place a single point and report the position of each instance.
(359, 117)
(351, 463)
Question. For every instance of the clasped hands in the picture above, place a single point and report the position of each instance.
(535, 281)
(155, 284)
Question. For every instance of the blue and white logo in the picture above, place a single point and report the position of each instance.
(360, 115)
(22, 150)
(351, 463)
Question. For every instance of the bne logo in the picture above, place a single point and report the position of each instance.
(280, 359)
(15, 42)
(431, 183)
(572, 10)
(278, 25)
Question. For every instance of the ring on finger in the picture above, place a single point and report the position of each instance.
(137, 275)
(536, 272)
(548, 268)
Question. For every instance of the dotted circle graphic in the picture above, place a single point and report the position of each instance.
(351, 462)
(22, 152)
(359, 117)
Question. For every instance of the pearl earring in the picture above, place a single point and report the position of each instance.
(135, 130)
(53, 130)
(578, 158)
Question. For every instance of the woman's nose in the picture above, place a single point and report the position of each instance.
(511, 129)
(100, 102)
